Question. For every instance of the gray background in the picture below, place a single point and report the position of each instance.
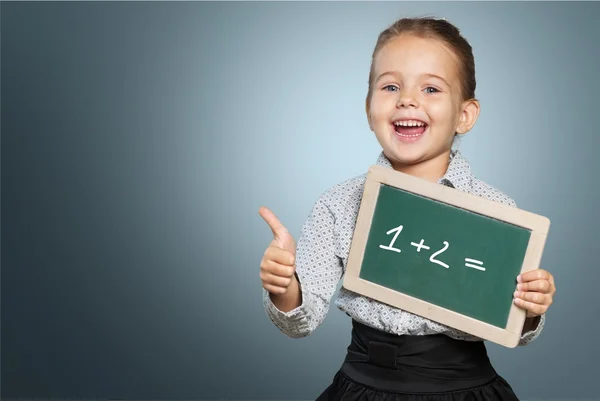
(140, 139)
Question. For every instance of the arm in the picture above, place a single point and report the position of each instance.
(531, 329)
(318, 271)
(291, 299)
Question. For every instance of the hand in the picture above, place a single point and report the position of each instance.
(277, 267)
(535, 292)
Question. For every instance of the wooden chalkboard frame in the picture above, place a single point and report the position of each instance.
(377, 176)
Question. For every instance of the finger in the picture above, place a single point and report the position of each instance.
(542, 286)
(534, 297)
(269, 217)
(532, 307)
(280, 256)
(532, 275)
(276, 281)
(274, 289)
(271, 267)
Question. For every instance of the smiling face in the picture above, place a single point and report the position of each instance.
(416, 105)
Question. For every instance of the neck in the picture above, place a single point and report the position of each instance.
(431, 170)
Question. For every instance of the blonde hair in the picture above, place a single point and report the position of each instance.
(434, 28)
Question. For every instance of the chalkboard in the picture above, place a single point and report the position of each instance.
(443, 254)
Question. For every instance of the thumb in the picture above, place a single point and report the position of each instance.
(281, 234)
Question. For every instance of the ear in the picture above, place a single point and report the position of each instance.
(367, 110)
(468, 116)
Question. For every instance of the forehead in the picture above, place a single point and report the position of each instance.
(413, 55)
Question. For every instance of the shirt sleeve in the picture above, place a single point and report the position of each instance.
(531, 335)
(318, 270)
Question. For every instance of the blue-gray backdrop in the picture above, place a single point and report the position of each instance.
(139, 140)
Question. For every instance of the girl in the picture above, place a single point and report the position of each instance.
(421, 96)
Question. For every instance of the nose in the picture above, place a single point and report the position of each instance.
(407, 99)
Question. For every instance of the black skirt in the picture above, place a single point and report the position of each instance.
(385, 367)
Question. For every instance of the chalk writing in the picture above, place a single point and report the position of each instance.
(475, 264)
(432, 258)
(420, 245)
(390, 247)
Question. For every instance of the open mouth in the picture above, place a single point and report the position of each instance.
(410, 130)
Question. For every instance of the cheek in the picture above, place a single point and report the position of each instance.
(442, 113)
(380, 109)
(378, 114)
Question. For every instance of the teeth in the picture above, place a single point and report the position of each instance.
(409, 123)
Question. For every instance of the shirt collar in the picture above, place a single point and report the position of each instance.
(458, 174)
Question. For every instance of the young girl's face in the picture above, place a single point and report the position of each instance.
(416, 105)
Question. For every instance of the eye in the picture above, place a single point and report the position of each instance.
(431, 89)
(390, 88)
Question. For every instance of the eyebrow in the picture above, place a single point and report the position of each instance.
(426, 75)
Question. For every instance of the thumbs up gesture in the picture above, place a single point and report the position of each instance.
(277, 267)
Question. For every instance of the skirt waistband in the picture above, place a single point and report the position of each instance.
(416, 364)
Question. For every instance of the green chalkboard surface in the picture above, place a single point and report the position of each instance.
(445, 255)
